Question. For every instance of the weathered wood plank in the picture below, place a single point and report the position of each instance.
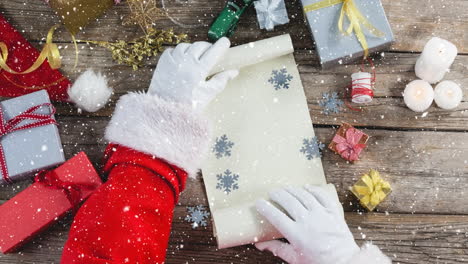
(428, 170)
(405, 238)
(411, 28)
(394, 71)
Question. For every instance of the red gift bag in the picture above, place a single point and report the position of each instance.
(21, 56)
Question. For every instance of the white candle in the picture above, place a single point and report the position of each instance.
(418, 95)
(361, 87)
(448, 95)
(435, 60)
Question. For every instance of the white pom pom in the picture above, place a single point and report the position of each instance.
(90, 91)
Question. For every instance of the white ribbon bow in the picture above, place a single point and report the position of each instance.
(271, 13)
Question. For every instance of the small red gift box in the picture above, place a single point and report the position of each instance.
(349, 142)
(53, 194)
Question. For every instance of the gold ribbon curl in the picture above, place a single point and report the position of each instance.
(356, 20)
(50, 52)
(371, 189)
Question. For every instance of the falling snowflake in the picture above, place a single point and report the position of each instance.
(227, 181)
(312, 148)
(280, 79)
(222, 147)
(197, 215)
(330, 103)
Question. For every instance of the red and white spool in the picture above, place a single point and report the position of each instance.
(362, 91)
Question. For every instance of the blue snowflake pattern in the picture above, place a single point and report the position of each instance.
(227, 181)
(223, 147)
(330, 103)
(312, 148)
(197, 215)
(280, 79)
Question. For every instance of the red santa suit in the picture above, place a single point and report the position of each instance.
(155, 146)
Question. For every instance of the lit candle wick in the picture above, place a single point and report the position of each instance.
(418, 95)
(448, 95)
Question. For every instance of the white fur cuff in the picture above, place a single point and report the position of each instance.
(370, 254)
(167, 130)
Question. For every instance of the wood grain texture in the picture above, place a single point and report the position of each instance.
(405, 238)
(427, 170)
(413, 23)
(424, 220)
(394, 71)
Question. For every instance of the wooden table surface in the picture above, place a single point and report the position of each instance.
(425, 219)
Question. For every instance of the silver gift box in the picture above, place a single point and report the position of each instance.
(31, 150)
(334, 47)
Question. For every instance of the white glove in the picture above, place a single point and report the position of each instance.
(182, 72)
(314, 226)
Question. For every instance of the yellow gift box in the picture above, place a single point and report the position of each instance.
(371, 190)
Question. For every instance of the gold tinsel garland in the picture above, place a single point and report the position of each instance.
(133, 53)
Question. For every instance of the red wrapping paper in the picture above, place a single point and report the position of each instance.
(21, 55)
(39, 206)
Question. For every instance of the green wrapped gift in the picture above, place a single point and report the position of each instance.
(226, 23)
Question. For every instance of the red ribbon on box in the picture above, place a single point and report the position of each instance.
(12, 125)
(349, 147)
(73, 191)
(48, 199)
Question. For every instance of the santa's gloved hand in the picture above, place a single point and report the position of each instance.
(182, 72)
(314, 226)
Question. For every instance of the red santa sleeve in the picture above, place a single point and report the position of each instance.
(155, 146)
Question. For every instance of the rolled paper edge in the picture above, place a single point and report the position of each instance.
(260, 51)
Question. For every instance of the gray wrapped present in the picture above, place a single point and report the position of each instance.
(271, 13)
(30, 140)
(347, 30)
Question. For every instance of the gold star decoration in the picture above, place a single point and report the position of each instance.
(143, 13)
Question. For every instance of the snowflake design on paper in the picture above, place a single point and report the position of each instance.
(280, 79)
(330, 103)
(222, 147)
(312, 148)
(227, 181)
(197, 215)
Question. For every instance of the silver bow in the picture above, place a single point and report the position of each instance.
(271, 13)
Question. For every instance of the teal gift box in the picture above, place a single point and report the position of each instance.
(335, 47)
(34, 148)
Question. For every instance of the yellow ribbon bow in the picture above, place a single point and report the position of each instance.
(50, 52)
(356, 19)
(371, 189)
